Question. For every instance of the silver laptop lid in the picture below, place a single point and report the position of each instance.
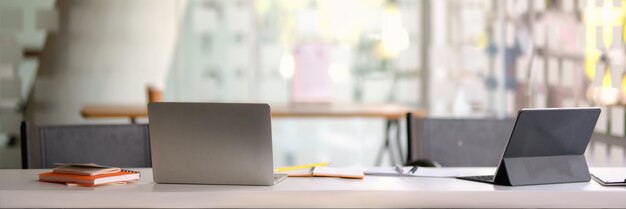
(211, 143)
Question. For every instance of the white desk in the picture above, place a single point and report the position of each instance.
(19, 189)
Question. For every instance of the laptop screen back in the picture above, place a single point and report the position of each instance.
(211, 143)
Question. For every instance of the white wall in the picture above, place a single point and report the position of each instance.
(104, 52)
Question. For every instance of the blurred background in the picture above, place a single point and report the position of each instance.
(443, 58)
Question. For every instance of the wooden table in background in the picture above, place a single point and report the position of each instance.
(387, 111)
(390, 112)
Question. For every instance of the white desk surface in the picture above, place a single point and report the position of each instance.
(20, 189)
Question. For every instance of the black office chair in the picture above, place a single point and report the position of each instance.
(456, 142)
(113, 145)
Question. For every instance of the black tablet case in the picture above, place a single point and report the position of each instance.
(547, 146)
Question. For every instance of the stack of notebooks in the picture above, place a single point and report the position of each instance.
(88, 175)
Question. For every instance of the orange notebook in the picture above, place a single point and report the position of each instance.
(122, 176)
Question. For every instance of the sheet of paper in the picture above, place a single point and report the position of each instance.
(93, 165)
(610, 176)
(421, 171)
(435, 172)
(383, 171)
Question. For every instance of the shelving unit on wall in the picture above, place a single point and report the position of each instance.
(24, 27)
(566, 67)
(23, 31)
(543, 53)
(513, 31)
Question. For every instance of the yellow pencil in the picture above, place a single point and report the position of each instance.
(298, 167)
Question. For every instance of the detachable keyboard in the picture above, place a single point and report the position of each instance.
(486, 179)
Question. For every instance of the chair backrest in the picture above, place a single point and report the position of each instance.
(113, 145)
(458, 142)
(154, 94)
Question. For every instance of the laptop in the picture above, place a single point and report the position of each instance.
(212, 143)
(546, 146)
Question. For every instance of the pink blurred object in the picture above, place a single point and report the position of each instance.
(311, 81)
